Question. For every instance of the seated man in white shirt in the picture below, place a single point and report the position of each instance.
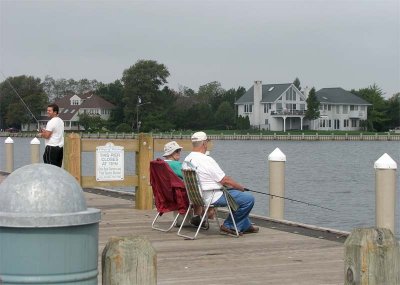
(212, 177)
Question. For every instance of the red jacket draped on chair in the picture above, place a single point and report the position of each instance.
(168, 189)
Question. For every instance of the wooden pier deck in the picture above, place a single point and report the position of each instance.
(269, 257)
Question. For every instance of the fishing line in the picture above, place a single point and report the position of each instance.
(290, 199)
(22, 100)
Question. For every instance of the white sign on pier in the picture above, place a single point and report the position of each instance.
(109, 162)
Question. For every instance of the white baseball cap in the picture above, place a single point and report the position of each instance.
(171, 147)
(199, 137)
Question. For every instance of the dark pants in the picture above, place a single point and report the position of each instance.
(53, 155)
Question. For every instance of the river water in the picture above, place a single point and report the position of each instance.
(337, 175)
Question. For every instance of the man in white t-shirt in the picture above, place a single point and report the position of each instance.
(212, 177)
(54, 137)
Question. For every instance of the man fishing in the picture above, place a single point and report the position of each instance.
(212, 177)
(54, 137)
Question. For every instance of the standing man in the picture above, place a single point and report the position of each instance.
(54, 137)
(212, 177)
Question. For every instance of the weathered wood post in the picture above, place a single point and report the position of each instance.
(144, 194)
(129, 260)
(277, 161)
(385, 192)
(372, 257)
(9, 154)
(72, 156)
(35, 151)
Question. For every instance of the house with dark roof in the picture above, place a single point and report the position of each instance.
(340, 110)
(71, 106)
(282, 107)
(275, 107)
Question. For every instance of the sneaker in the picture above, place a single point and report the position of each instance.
(195, 221)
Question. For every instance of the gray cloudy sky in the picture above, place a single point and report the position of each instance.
(349, 44)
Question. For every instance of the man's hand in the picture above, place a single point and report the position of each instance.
(228, 181)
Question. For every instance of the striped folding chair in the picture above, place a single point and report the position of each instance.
(194, 193)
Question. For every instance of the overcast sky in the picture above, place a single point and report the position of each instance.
(348, 44)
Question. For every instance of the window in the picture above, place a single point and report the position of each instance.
(329, 107)
(362, 108)
(279, 106)
(345, 109)
(75, 102)
(346, 123)
(248, 108)
(266, 108)
(302, 107)
(354, 123)
(290, 95)
(337, 109)
(336, 124)
(266, 121)
(321, 107)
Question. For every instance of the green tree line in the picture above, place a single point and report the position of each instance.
(142, 97)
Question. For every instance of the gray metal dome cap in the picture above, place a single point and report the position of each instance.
(43, 195)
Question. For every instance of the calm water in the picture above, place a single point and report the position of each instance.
(338, 175)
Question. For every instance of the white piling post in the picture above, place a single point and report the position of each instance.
(9, 154)
(35, 151)
(277, 161)
(385, 192)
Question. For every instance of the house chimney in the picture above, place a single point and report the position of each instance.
(257, 100)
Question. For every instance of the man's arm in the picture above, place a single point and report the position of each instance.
(45, 133)
(228, 181)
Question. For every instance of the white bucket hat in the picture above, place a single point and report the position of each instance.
(199, 137)
(170, 147)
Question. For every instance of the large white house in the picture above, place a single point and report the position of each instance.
(340, 110)
(275, 107)
(282, 107)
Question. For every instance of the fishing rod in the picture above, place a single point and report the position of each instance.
(22, 100)
(293, 200)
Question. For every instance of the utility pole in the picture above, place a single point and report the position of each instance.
(139, 103)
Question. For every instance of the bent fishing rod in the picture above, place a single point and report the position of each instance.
(290, 199)
(22, 100)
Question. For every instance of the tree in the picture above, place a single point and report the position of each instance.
(377, 119)
(142, 80)
(243, 123)
(91, 123)
(296, 83)
(113, 93)
(393, 111)
(225, 115)
(312, 112)
(13, 112)
(58, 88)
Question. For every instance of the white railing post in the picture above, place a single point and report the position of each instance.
(9, 154)
(277, 161)
(35, 151)
(385, 192)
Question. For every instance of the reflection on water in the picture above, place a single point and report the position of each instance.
(337, 175)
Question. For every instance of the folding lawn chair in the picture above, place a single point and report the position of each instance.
(169, 192)
(194, 193)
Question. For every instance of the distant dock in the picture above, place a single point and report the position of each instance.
(268, 137)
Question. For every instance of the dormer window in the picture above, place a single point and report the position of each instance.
(75, 102)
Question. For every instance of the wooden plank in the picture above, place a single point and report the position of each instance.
(90, 145)
(72, 156)
(90, 181)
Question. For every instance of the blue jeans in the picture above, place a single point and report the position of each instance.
(246, 202)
